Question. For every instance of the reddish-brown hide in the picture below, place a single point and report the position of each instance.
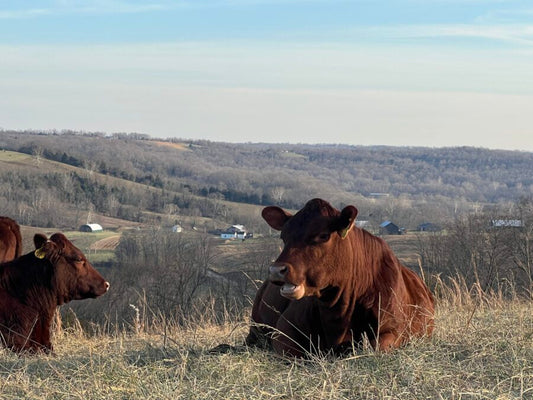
(334, 283)
(33, 285)
(10, 240)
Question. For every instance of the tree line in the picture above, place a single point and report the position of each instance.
(488, 250)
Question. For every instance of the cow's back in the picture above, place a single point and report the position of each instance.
(10, 239)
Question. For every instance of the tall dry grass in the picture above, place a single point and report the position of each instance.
(482, 349)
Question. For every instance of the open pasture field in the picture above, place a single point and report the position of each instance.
(482, 349)
(97, 246)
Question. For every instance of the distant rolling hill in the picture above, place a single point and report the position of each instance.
(135, 178)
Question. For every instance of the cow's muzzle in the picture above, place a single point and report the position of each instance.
(278, 276)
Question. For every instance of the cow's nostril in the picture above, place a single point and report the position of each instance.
(278, 270)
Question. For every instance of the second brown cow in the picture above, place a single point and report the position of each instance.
(333, 284)
(33, 285)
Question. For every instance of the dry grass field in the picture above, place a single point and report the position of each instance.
(482, 349)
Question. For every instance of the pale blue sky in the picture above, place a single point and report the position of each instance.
(398, 72)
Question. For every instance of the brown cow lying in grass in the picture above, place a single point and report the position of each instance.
(33, 285)
(334, 283)
(10, 240)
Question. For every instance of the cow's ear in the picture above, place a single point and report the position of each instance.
(60, 240)
(346, 220)
(38, 240)
(42, 246)
(276, 217)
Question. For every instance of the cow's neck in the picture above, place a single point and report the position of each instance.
(29, 279)
(362, 266)
(373, 267)
(335, 311)
(357, 265)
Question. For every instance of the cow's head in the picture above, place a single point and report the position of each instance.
(314, 247)
(74, 277)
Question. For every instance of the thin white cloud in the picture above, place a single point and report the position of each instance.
(505, 16)
(27, 13)
(87, 7)
(274, 66)
(67, 7)
(515, 33)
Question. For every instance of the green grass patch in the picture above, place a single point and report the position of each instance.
(13, 156)
(96, 256)
(84, 240)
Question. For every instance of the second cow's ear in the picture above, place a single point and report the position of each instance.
(44, 248)
(346, 220)
(38, 240)
(275, 216)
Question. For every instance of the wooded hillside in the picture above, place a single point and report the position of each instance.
(158, 179)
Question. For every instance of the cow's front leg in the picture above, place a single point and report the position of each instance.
(41, 337)
(289, 340)
(296, 333)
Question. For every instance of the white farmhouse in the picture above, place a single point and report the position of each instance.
(235, 232)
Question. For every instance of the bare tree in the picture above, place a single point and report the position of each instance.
(488, 250)
(277, 194)
(37, 153)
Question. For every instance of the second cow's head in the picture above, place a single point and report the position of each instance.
(73, 276)
(314, 247)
